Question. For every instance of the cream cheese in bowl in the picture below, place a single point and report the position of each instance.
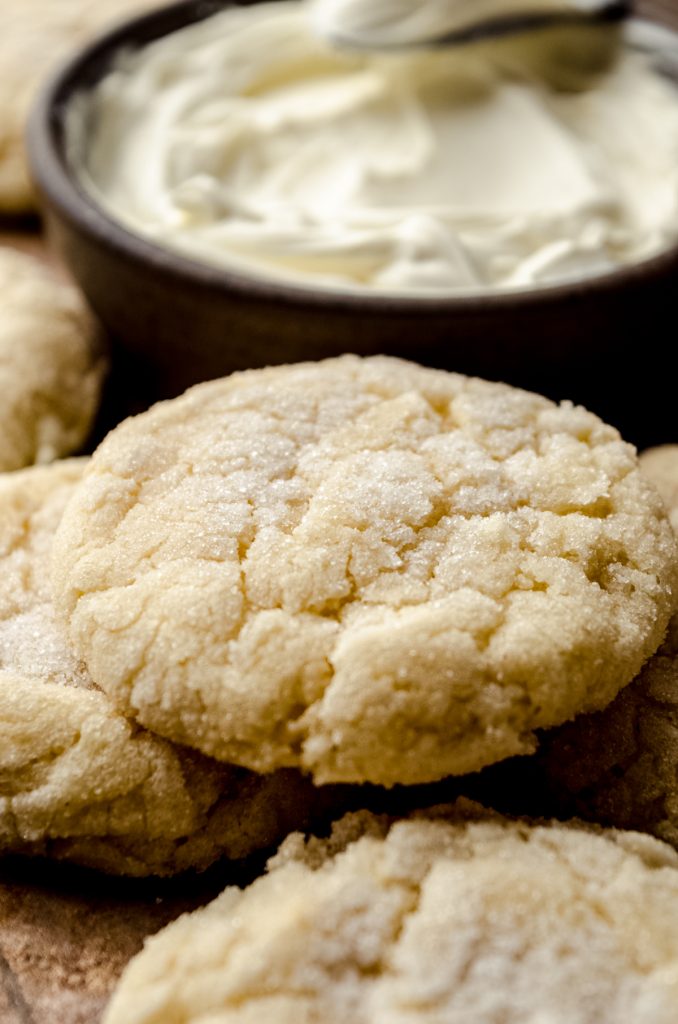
(245, 141)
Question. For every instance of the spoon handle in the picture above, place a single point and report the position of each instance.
(611, 12)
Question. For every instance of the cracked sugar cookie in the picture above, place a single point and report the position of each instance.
(36, 36)
(51, 364)
(77, 779)
(466, 918)
(375, 571)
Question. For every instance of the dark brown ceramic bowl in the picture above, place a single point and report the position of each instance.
(598, 341)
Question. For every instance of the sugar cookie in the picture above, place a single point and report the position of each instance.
(474, 918)
(371, 570)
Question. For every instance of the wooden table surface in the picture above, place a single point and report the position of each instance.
(66, 934)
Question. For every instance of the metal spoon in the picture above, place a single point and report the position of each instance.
(394, 35)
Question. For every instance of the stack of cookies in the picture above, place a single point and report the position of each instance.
(353, 572)
(78, 779)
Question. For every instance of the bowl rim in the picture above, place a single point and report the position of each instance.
(59, 187)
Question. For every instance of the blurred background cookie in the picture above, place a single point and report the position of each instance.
(458, 918)
(374, 571)
(77, 779)
(52, 364)
(36, 36)
(660, 465)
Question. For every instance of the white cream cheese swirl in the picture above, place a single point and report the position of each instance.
(245, 141)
